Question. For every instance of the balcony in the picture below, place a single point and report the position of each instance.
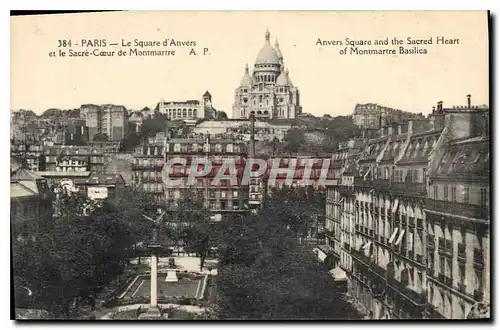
(379, 271)
(401, 188)
(453, 208)
(414, 297)
(360, 256)
(445, 280)
(140, 166)
(408, 188)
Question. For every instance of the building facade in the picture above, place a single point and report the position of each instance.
(223, 197)
(108, 119)
(30, 203)
(189, 109)
(268, 92)
(371, 115)
(148, 164)
(264, 131)
(409, 222)
(62, 158)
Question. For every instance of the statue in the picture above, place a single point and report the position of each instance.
(153, 311)
(156, 226)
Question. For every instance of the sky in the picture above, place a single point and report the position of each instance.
(329, 83)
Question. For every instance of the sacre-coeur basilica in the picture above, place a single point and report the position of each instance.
(267, 92)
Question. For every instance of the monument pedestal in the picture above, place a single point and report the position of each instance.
(153, 313)
(171, 275)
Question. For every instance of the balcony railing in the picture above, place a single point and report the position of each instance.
(468, 210)
(403, 188)
(415, 297)
(138, 166)
(360, 256)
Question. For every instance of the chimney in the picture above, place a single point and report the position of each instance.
(440, 106)
(468, 101)
(252, 135)
(433, 109)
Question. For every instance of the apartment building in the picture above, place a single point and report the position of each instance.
(148, 164)
(188, 109)
(222, 197)
(71, 158)
(108, 119)
(409, 220)
(264, 131)
(29, 152)
(30, 203)
(372, 115)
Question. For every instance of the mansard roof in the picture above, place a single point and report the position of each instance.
(466, 158)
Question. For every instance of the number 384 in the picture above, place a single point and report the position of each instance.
(63, 43)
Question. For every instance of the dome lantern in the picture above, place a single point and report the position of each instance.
(267, 54)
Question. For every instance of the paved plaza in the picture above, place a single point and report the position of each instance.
(186, 287)
(190, 264)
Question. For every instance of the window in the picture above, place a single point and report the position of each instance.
(466, 195)
(441, 265)
(478, 281)
(461, 274)
(445, 192)
(453, 194)
(436, 196)
(483, 197)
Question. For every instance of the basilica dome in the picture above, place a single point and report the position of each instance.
(247, 79)
(267, 54)
(284, 79)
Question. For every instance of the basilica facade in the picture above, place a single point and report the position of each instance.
(268, 92)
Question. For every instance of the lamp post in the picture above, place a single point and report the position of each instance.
(154, 312)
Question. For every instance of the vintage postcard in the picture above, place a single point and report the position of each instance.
(238, 165)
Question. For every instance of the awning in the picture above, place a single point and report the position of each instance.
(393, 236)
(400, 237)
(338, 274)
(330, 260)
(321, 255)
(395, 206)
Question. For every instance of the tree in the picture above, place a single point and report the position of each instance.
(263, 272)
(81, 249)
(151, 126)
(221, 115)
(132, 205)
(192, 220)
(101, 137)
(294, 140)
(130, 141)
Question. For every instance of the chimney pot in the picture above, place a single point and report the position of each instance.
(468, 101)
